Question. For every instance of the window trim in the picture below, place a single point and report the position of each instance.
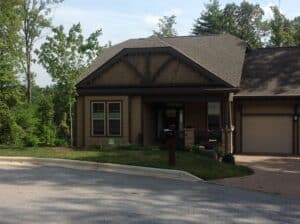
(92, 119)
(108, 119)
(220, 115)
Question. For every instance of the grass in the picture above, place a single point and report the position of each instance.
(200, 166)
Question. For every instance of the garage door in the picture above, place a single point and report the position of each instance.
(267, 134)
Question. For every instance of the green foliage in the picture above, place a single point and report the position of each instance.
(281, 30)
(65, 56)
(26, 119)
(229, 158)
(35, 15)
(243, 21)
(166, 27)
(210, 20)
(6, 125)
(46, 127)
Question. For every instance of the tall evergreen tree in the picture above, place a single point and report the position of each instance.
(210, 20)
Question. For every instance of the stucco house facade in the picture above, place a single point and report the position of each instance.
(214, 86)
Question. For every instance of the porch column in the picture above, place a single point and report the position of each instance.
(228, 126)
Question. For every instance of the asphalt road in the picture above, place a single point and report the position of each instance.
(55, 195)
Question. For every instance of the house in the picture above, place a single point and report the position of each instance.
(214, 86)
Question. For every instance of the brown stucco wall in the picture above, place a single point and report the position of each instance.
(79, 121)
(84, 136)
(121, 73)
(148, 124)
(136, 119)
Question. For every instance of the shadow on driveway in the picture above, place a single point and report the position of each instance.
(59, 195)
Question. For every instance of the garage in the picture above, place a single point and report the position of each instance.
(267, 134)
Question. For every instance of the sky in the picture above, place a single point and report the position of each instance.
(124, 19)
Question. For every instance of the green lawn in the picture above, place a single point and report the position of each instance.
(200, 166)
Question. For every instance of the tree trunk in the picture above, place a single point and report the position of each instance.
(71, 124)
(29, 81)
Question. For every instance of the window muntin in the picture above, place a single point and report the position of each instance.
(114, 118)
(213, 116)
(98, 118)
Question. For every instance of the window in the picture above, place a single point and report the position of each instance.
(213, 116)
(98, 118)
(114, 118)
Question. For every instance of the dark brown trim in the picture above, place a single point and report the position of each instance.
(133, 51)
(241, 128)
(268, 114)
(83, 122)
(129, 120)
(91, 118)
(137, 73)
(75, 140)
(161, 68)
(263, 98)
(142, 122)
(106, 120)
(99, 91)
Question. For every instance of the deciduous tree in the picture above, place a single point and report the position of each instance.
(65, 56)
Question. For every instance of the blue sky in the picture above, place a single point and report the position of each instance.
(124, 19)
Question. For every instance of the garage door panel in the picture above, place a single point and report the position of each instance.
(267, 134)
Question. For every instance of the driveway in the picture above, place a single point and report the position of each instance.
(274, 174)
(33, 194)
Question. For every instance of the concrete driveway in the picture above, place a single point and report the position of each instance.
(274, 174)
(33, 194)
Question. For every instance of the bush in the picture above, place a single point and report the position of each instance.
(61, 142)
(229, 158)
(6, 125)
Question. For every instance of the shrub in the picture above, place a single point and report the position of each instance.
(229, 158)
(6, 125)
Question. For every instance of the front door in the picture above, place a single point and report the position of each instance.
(173, 116)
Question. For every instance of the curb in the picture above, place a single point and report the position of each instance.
(108, 167)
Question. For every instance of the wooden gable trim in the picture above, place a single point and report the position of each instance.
(133, 68)
(133, 51)
(161, 68)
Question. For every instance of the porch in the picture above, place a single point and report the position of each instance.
(207, 117)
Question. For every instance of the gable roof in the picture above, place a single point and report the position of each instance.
(271, 72)
(221, 55)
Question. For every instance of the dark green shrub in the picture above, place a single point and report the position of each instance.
(61, 142)
(229, 158)
(6, 125)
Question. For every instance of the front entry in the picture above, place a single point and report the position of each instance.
(169, 115)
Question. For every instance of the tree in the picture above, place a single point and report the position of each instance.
(10, 23)
(245, 22)
(35, 18)
(296, 30)
(281, 30)
(210, 20)
(166, 27)
(65, 56)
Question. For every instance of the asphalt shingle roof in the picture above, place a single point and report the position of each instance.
(271, 72)
(222, 55)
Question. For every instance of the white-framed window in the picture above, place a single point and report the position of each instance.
(114, 118)
(98, 118)
(213, 115)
